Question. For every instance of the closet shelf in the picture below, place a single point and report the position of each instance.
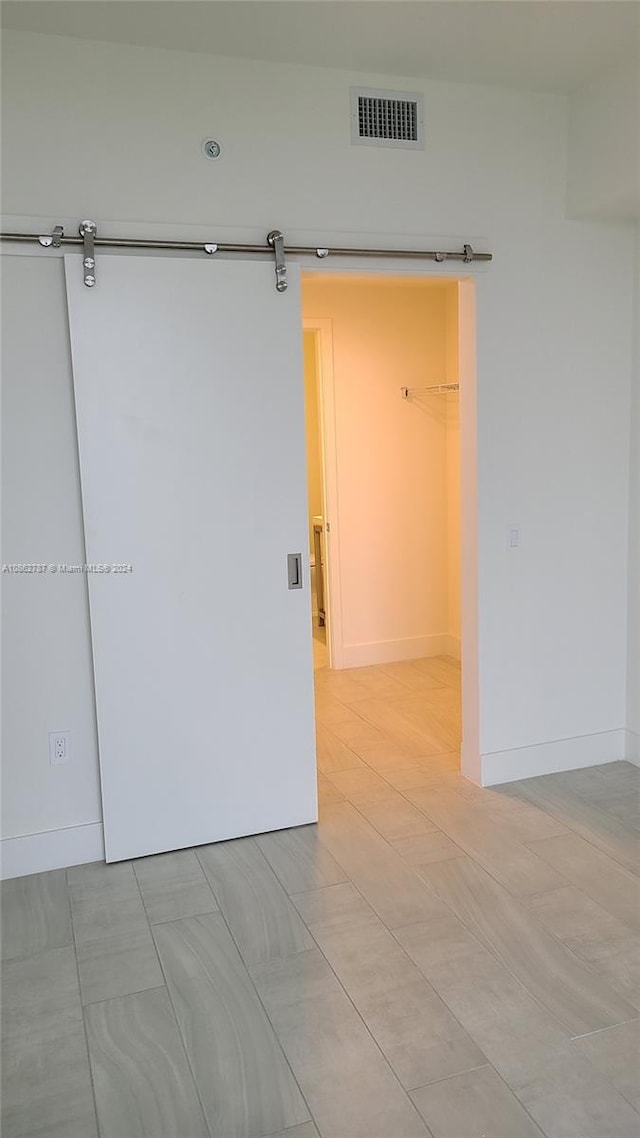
(434, 389)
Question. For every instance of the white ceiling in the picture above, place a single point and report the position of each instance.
(543, 45)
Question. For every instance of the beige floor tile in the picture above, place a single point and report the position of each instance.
(333, 754)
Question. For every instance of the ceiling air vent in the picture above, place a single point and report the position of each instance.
(387, 118)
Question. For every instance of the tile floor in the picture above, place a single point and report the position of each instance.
(431, 959)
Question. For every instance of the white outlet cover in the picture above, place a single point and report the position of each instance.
(513, 536)
(59, 754)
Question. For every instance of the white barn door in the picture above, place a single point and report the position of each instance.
(189, 403)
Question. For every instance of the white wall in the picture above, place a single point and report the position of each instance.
(391, 464)
(603, 168)
(633, 656)
(47, 665)
(114, 132)
(313, 435)
(453, 471)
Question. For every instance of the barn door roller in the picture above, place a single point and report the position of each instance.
(88, 230)
(276, 241)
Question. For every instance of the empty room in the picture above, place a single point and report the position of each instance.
(320, 569)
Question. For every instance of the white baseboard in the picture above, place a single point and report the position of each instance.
(550, 758)
(390, 651)
(454, 647)
(632, 747)
(52, 849)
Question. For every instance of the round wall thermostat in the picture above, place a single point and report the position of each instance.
(211, 148)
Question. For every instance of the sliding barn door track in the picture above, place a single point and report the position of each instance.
(87, 242)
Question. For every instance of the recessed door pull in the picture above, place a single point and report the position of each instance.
(294, 570)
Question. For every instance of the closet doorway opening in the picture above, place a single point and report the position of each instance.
(384, 356)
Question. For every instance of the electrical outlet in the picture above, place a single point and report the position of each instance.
(59, 748)
(513, 536)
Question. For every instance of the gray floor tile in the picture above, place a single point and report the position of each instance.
(426, 1006)
(420, 849)
(173, 886)
(350, 1089)
(594, 935)
(617, 790)
(46, 1086)
(475, 1104)
(393, 817)
(569, 989)
(260, 915)
(299, 859)
(35, 914)
(555, 794)
(491, 844)
(306, 1130)
(612, 886)
(391, 887)
(419, 1036)
(143, 1085)
(115, 950)
(523, 820)
(245, 1085)
(615, 1052)
(527, 1046)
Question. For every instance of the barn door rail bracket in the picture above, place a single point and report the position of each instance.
(53, 239)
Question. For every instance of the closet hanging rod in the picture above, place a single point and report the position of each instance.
(434, 389)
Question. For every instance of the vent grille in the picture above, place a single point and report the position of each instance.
(387, 118)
